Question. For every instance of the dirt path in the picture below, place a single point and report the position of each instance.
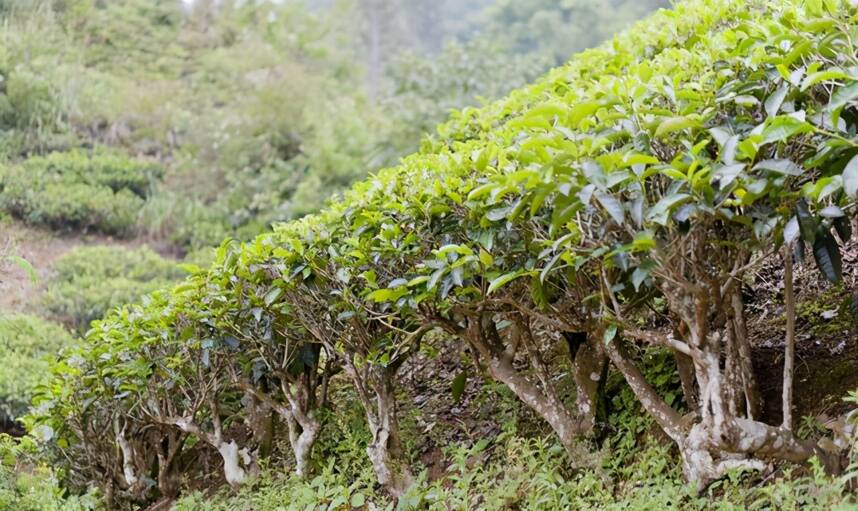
(41, 248)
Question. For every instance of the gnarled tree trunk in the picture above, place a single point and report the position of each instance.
(496, 355)
(375, 387)
(589, 370)
(726, 434)
(236, 460)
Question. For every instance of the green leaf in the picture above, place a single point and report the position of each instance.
(610, 334)
(498, 214)
(642, 273)
(358, 500)
(611, 205)
(827, 256)
(581, 110)
(387, 294)
(791, 231)
(842, 96)
(674, 124)
(785, 167)
(395, 283)
(643, 242)
(728, 173)
(189, 268)
(775, 100)
(485, 258)
(660, 212)
(831, 212)
(458, 385)
(850, 178)
(806, 222)
(822, 76)
(783, 127)
(272, 295)
(26, 267)
(503, 280)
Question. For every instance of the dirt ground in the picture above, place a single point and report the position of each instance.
(40, 248)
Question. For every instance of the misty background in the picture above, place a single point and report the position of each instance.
(259, 111)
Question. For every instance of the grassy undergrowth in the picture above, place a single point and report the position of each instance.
(630, 468)
(511, 472)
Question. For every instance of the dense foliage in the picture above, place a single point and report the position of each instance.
(78, 191)
(258, 112)
(27, 343)
(620, 201)
(90, 281)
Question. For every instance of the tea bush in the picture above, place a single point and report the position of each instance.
(25, 341)
(617, 204)
(89, 281)
(76, 190)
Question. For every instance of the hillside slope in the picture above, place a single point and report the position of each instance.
(635, 276)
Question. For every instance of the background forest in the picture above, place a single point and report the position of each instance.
(137, 135)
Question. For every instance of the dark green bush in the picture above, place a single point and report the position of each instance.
(24, 342)
(89, 281)
(77, 190)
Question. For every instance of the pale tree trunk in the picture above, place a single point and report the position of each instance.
(589, 365)
(726, 434)
(375, 388)
(299, 416)
(496, 356)
(129, 470)
(236, 460)
(789, 344)
(304, 427)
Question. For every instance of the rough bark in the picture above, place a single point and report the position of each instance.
(685, 368)
(304, 427)
(666, 417)
(235, 459)
(299, 416)
(754, 400)
(375, 388)
(589, 365)
(260, 420)
(717, 443)
(168, 469)
(496, 356)
(789, 345)
(386, 450)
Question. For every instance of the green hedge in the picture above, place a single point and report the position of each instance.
(75, 190)
(24, 342)
(653, 170)
(89, 281)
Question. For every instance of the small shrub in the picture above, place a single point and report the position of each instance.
(24, 342)
(76, 190)
(186, 222)
(89, 281)
(28, 483)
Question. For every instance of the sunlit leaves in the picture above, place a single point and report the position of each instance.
(675, 124)
(782, 127)
(785, 167)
